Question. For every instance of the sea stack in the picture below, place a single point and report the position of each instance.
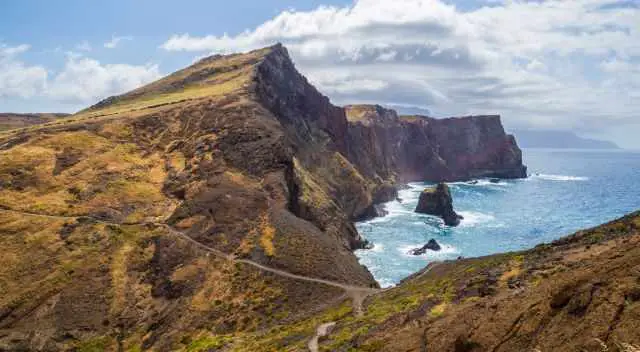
(437, 201)
(431, 245)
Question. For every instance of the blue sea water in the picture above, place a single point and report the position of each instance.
(568, 190)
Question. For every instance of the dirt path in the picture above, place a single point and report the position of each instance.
(352, 291)
(357, 294)
(321, 331)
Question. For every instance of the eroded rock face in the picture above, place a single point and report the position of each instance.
(418, 148)
(437, 201)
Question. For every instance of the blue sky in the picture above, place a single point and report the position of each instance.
(552, 64)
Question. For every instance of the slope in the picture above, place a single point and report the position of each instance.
(9, 121)
(579, 293)
(203, 156)
(214, 203)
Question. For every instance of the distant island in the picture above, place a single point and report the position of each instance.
(559, 139)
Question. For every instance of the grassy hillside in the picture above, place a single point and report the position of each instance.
(142, 222)
(580, 293)
(9, 121)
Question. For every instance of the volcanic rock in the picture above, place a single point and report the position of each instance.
(432, 245)
(437, 201)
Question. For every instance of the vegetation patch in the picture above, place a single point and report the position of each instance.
(268, 233)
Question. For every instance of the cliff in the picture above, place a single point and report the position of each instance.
(217, 200)
(418, 148)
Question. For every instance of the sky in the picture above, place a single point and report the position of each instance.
(543, 64)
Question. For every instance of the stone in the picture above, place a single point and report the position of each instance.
(431, 245)
(437, 201)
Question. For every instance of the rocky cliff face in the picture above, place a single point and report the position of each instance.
(418, 148)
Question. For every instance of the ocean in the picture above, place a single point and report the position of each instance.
(567, 190)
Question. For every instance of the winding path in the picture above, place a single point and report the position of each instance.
(322, 331)
(357, 294)
(350, 289)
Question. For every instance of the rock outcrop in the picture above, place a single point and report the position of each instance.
(437, 201)
(419, 148)
(431, 245)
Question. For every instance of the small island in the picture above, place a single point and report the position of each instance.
(437, 201)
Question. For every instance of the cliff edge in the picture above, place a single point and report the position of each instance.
(420, 148)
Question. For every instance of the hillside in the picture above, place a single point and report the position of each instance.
(10, 121)
(579, 293)
(205, 207)
(560, 140)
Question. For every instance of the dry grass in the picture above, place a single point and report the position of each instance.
(357, 113)
(177, 161)
(311, 192)
(438, 310)
(119, 277)
(209, 79)
(102, 175)
(268, 233)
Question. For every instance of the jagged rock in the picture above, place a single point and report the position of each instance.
(431, 245)
(366, 244)
(384, 193)
(437, 201)
(420, 148)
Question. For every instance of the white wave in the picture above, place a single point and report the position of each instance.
(472, 218)
(377, 220)
(411, 193)
(481, 183)
(386, 283)
(396, 208)
(377, 247)
(558, 177)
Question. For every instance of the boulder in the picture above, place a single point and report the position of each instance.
(432, 245)
(437, 201)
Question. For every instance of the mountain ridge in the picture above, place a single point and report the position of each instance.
(9, 121)
(243, 156)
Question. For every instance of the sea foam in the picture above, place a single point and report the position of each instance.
(559, 177)
(473, 218)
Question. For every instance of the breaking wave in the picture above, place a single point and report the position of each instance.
(558, 177)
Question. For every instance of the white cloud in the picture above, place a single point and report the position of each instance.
(115, 41)
(18, 79)
(7, 51)
(87, 80)
(82, 80)
(539, 63)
